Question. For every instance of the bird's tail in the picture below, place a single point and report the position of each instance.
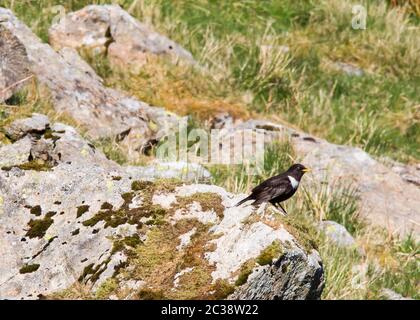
(244, 200)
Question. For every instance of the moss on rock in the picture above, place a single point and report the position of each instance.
(207, 200)
(81, 210)
(35, 165)
(39, 227)
(244, 272)
(108, 287)
(36, 210)
(29, 268)
(274, 250)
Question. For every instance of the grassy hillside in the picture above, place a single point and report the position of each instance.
(242, 45)
(248, 71)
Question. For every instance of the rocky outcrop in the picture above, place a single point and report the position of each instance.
(71, 217)
(111, 30)
(14, 65)
(37, 124)
(387, 197)
(78, 92)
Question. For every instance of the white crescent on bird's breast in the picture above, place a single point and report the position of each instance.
(294, 182)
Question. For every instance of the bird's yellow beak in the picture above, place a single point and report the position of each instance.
(307, 170)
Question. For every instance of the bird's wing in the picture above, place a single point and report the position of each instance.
(271, 188)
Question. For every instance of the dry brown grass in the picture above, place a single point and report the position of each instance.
(33, 98)
(181, 88)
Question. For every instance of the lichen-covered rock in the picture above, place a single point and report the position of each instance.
(14, 64)
(111, 30)
(82, 220)
(295, 275)
(387, 198)
(38, 123)
(15, 154)
(78, 92)
(337, 234)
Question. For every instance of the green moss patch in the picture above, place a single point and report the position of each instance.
(161, 185)
(273, 251)
(106, 289)
(106, 205)
(148, 294)
(39, 227)
(244, 272)
(81, 210)
(35, 165)
(29, 268)
(207, 200)
(36, 210)
(125, 214)
(130, 242)
(91, 273)
(49, 134)
(222, 289)
(157, 260)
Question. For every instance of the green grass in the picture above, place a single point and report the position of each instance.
(239, 43)
(378, 112)
(278, 157)
(404, 277)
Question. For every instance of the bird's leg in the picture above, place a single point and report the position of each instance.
(285, 213)
(276, 208)
(261, 209)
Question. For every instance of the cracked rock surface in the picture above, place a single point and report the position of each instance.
(111, 30)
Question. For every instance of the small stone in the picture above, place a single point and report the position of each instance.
(392, 295)
(36, 124)
(337, 234)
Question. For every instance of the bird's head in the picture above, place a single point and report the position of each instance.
(298, 169)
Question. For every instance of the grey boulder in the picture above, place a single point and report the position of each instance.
(111, 30)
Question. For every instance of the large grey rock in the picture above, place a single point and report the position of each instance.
(386, 198)
(60, 226)
(337, 234)
(242, 235)
(278, 280)
(14, 64)
(77, 91)
(111, 30)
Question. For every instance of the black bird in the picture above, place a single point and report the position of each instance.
(278, 188)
